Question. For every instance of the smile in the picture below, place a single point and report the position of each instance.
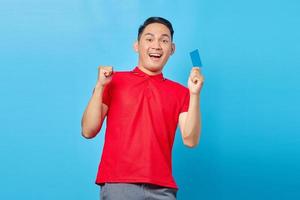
(155, 55)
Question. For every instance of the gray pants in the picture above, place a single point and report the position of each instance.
(132, 191)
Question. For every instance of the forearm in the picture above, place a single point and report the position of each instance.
(92, 118)
(192, 127)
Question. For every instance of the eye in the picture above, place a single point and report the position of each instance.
(149, 39)
(165, 41)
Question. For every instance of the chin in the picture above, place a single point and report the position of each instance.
(155, 68)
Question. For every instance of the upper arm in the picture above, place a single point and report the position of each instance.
(104, 110)
(181, 121)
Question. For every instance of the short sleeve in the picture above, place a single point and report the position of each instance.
(186, 102)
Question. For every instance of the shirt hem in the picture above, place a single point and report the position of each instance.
(148, 181)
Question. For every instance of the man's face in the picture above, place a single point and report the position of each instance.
(154, 47)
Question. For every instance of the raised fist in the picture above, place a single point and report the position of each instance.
(104, 74)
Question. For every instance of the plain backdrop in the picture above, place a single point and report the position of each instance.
(49, 53)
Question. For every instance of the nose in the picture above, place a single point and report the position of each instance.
(156, 45)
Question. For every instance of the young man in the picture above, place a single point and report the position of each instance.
(143, 110)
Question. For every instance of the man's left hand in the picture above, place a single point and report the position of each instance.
(195, 81)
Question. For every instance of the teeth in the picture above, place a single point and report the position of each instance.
(155, 54)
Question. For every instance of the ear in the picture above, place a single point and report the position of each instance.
(136, 46)
(173, 48)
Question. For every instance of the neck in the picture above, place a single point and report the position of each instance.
(149, 72)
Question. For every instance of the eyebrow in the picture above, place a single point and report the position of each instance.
(166, 35)
(149, 34)
(163, 35)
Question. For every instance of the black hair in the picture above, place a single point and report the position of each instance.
(152, 20)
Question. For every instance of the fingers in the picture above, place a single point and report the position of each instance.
(105, 70)
(107, 73)
(195, 79)
(196, 75)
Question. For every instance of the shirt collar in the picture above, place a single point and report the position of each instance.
(138, 72)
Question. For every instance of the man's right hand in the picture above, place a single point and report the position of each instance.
(96, 111)
(104, 75)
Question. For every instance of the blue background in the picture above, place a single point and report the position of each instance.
(250, 50)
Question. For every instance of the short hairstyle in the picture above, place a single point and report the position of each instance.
(152, 20)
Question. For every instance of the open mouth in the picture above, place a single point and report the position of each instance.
(155, 56)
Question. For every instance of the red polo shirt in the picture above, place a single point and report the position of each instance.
(142, 118)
